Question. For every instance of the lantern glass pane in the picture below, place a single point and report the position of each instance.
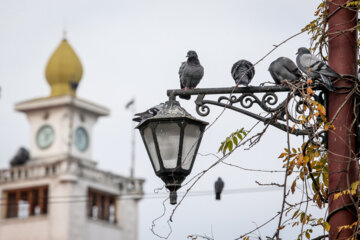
(148, 136)
(168, 137)
(191, 136)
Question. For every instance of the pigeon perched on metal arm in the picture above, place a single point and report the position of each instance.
(190, 72)
(242, 72)
(314, 68)
(283, 69)
(140, 117)
(219, 186)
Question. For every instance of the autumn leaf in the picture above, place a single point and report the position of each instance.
(300, 160)
(322, 109)
(326, 226)
(293, 186)
(309, 91)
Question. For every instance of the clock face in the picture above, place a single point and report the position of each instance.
(81, 139)
(45, 136)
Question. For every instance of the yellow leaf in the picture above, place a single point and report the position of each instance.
(354, 185)
(326, 226)
(337, 195)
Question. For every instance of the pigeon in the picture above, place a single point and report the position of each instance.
(219, 186)
(284, 69)
(21, 157)
(190, 72)
(243, 72)
(151, 112)
(314, 68)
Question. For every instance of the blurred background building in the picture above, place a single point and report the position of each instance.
(54, 190)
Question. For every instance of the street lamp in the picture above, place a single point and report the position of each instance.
(172, 138)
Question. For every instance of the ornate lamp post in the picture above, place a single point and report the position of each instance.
(343, 154)
(172, 139)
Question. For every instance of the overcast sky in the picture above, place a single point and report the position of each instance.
(134, 49)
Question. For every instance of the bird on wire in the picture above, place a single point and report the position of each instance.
(151, 112)
(284, 69)
(219, 186)
(190, 73)
(315, 68)
(243, 72)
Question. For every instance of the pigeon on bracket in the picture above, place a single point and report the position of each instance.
(140, 117)
(190, 73)
(219, 186)
(243, 72)
(283, 69)
(314, 68)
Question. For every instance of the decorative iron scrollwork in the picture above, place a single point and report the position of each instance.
(243, 99)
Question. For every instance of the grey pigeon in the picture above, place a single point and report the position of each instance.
(21, 157)
(219, 186)
(243, 72)
(314, 68)
(140, 117)
(190, 72)
(284, 69)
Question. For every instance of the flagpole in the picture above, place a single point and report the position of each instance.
(132, 167)
(132, 106)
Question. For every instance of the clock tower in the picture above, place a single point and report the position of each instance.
(61, 124)
(57, 192)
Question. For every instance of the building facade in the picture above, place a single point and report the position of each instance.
(57, 192)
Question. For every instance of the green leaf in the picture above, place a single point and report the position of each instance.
(221, 147)
(230, 146)
(295, 214)
(235, 140)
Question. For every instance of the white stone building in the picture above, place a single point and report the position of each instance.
(59, 193)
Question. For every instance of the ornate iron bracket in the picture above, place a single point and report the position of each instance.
(241, 99)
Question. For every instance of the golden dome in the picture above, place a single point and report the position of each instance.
(63, 71)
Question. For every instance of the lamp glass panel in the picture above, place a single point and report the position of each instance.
(168, 137)
(148, 136)
(191, 136)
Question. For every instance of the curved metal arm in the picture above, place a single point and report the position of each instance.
(246, 97)
(172, 93)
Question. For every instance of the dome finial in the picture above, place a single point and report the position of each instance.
(64, 33)
(64, 70)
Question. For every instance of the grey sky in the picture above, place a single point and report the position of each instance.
(134, 49)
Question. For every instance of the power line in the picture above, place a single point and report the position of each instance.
(147, 196)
